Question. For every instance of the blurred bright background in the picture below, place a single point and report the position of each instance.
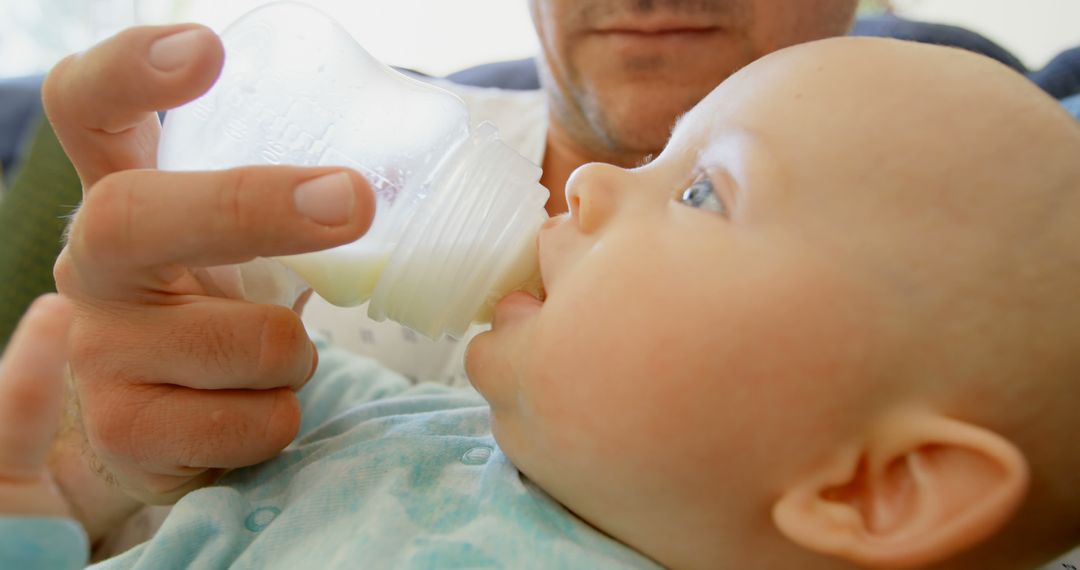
(441, 36)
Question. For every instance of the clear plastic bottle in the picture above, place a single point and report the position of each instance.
(457, 210)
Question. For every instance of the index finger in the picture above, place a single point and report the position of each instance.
(102, 103)
(31, 387)
(139, 229)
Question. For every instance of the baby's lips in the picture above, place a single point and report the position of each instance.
(514, 306)
(547, 245)
(552, 222)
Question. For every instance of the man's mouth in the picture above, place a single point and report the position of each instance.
(666, 34)
(654, 35)
(657, 28)
(662, 19)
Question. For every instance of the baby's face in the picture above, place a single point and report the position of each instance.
(715, 316)
(697, 309)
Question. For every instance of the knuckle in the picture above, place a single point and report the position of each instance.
(282, 340)
(110, 430)
(53, 94)
(104, 227)
(103, 220)
(237, 200)
(64, 274)
(129, 37)
(88, 355)
(127, 426)
(235, 433)
(213, 342)
(190, 453)
(220, 435)
(283, 423)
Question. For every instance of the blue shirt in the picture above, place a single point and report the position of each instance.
(1072, 104)
(383, 474)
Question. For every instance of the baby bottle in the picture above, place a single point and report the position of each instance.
(457, 210)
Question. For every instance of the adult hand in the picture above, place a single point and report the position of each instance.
(174, 381)
(31, 399)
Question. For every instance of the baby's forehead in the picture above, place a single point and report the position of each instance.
(700, 127)
(833, 107)
(749, 100)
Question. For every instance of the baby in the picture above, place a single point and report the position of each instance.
(834, 324)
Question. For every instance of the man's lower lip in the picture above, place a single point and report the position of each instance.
(660, 36)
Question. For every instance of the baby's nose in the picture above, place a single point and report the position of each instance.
(592, 194)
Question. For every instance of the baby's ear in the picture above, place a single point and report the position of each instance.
(918, 489)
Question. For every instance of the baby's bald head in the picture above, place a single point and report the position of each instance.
(951, 186)
(803, 329)
(929, 200)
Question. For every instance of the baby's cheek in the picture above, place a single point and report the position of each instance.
(604, 367)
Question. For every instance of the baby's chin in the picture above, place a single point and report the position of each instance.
(488, 368)
(496, 359)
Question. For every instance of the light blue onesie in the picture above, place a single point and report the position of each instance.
(383, 475)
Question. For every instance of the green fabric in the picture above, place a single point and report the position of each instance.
(33, 215)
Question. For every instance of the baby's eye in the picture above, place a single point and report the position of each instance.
(702, 194)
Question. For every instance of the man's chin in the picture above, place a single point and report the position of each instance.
(637, 126)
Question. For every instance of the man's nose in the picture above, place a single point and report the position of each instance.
(593, 194)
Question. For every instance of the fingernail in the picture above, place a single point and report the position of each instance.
(175, 51)
(327, 200)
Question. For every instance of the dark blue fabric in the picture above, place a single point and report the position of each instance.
(1060, 77)
(521, 73)
(20, 106)
(888, 26)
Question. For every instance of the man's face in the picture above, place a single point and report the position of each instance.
(619, 72)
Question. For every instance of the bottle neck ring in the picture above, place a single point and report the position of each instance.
(471, 240)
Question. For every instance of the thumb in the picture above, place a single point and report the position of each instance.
(32, 387)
